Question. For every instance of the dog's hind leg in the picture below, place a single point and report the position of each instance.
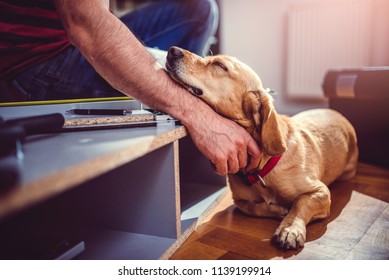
(351, 167)
(261, 209)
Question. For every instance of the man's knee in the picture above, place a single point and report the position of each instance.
(206, 13)
(207, 10)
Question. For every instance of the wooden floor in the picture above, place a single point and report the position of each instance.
(358, 227)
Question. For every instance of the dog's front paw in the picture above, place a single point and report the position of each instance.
(290, 235)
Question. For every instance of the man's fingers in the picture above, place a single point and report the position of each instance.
(233, 165)
(236, 159)
(221, 167)
(242, 157)
(255, 155)
(229, 163)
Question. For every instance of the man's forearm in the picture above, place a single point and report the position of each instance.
(121, 59)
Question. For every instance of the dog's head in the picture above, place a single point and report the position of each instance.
(233, 90)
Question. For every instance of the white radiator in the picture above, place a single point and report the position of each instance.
(323, 35)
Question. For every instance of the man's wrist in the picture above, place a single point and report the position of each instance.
(190, 110)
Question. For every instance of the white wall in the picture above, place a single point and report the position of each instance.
(255, 32)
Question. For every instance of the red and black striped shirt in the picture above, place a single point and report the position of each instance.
(30, 32)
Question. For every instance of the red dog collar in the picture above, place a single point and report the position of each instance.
(256, 176)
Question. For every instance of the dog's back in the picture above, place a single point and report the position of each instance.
(331, 140)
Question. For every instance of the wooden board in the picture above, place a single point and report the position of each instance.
(106, 120)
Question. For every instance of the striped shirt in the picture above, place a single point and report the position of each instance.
(30, 32)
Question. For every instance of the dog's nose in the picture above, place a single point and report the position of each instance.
(175, 52)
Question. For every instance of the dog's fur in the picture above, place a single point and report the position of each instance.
(317, 146)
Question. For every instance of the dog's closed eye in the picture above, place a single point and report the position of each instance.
(221, 65)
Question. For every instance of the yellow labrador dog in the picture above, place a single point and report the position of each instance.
(302, 154)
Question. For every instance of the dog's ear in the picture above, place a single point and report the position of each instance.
(267, 123)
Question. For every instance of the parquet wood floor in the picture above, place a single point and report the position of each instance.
(358, 227)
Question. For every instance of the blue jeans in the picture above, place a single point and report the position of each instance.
(189, 24)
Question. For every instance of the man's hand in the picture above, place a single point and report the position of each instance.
(226, 144)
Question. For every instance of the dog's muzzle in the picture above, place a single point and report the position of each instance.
(174, 55)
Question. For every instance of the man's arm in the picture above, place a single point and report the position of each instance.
(123, 61)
